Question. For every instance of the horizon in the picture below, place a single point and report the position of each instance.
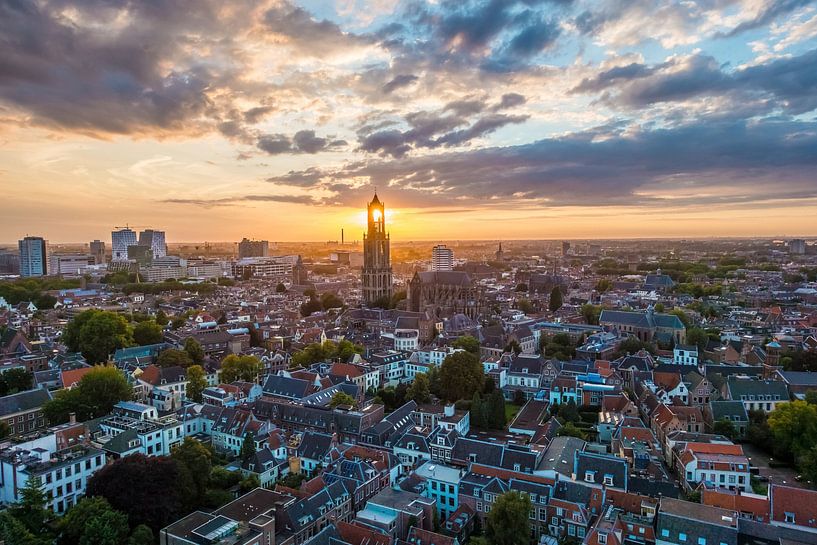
(478, 119)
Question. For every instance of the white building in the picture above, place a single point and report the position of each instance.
(68, 264)
(120, 240)
(63, 474)
(442, 258)
(685, 355)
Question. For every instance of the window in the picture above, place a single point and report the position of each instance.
(790, 517)
(682, 536)
(608, 479)
(602, 538)
(701, 541)
(589, 476)
(664, 533)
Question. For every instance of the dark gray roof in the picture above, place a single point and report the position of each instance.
(281, 386)
(713, 524)
(315, 445)
(731, 410)
(455, 278)
(739, 387)
(23, 401)
(601, 465)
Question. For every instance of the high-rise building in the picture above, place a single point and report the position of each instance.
(377, 280)
(797, 246)
(253, 248)
(9, 263)
(33, 258)
(565, 248)
(98, 251)
(120, 240)
(155, 240)
(442, 258)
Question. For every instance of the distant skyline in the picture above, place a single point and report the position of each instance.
(474, 119)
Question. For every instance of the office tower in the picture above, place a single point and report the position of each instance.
(98, 251)
(33, 258)
(797, 246)
(253, 248)
(442, 258)
(142, 254)
(155, 240)
(565, 248)
(120, 240)
(9, 263)
(377, 281)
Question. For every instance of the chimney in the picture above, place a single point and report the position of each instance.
(72, 418)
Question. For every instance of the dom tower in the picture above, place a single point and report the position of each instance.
(376, 260)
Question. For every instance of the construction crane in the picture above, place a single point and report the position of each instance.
(119, 227)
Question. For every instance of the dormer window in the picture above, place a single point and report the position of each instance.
(589, 476)
(789, 517)
(608, 479)
(602, 538)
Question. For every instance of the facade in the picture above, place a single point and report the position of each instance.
(68, 264)
(155, 240)
(279, 268)
(377, 273)
(33, 258)
(253, 248)
(97, 248)
(444, 293)
(120, 240)
(442, 258)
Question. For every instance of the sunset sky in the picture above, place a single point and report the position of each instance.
(218, 119)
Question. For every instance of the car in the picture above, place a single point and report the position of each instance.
(798, 478)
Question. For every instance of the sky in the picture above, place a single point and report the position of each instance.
(473, 119)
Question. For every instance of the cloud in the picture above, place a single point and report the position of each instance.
(732, 162)
(399, 81)
(787, 83)
(231, 201)
(304, 141)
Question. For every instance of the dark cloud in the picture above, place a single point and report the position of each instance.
(230, 201)
(770, 160)
(772, 10)
(304, 141)
(399, 81)
(787, 83)
(510, 100)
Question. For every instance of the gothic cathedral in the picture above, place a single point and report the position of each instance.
(377, 282)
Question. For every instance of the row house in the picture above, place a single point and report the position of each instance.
(719, 465)
(755, 394)
(234, 426)
(304, 518)
(524, 374)
(136, 428)
(363, 472)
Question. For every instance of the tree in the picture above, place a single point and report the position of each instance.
(508, 520)
(161, 496)
(794, 428)
(109, 528)
(97, 333)
(467, 343)
(342, 398)
(697, 337)
(235, 368)
(604, 285)
(569, 412)
(141, 535)
(72, 525)
(420, 389)
(525, 306)
(15, 380)
(514, 347)
(591, 313)
(478, 413)
(461, 375)
(248, 446)
(198, 460)
(147, 332)
(555, 301)
(194, 350)
(94, 395)
(496, 410)
(14, 532)
(31, 510)
(570, 430)
(173, 357)
(161, 318)
(196, 382)
(631, 345)
(280, 288)
(725, 427)
(521, 287)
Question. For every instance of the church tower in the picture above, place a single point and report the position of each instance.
(376, 258)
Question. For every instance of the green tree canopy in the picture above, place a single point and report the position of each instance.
(147, 332)
(725, 427)
(141, 535)
(194, 350)
(72, 526)
(794, 428)
(591, 313)
(248, 446)
(342, 398)
(507, 522)
(94, 395)
(555, 301)
(467, 343)
(196, 382)
(697, 337)
(235, 368)
(420, 389)
(173, 357)
(461, 375)
(280, 288)
(97, 333)
(15, 380)
(198, 460)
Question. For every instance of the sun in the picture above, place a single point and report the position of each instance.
(376, 215)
